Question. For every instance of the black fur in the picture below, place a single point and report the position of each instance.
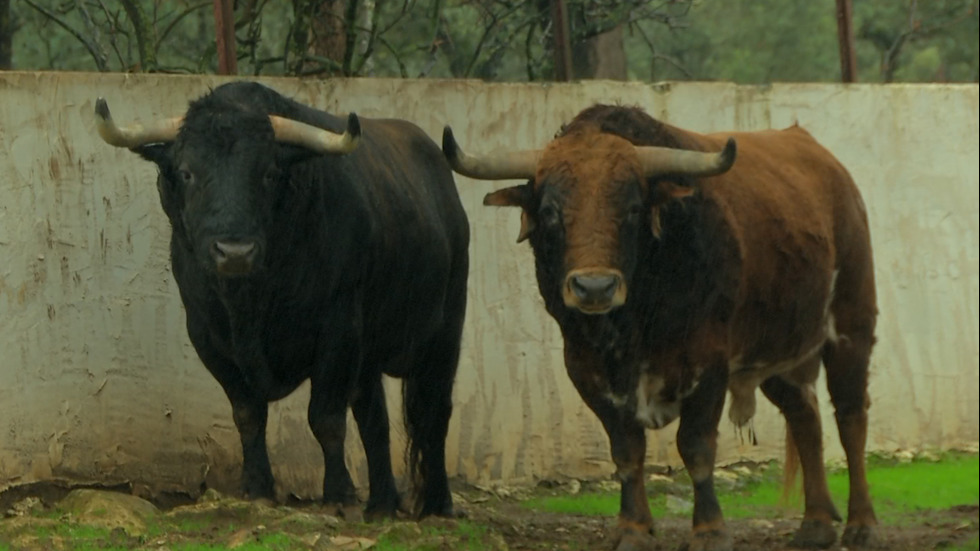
(361, 270)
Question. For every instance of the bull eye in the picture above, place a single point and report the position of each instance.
(548, 216)
(186, 177)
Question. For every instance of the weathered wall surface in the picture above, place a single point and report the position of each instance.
(99, 383)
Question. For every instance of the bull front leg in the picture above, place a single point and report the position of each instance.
(627, 442)
(333, 383)
(249, 411)
(697, 442)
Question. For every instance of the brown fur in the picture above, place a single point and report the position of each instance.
(743, 280)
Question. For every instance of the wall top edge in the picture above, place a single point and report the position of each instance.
(8, 78)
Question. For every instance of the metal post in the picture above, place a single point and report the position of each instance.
(224, 30)
(845, 36)
(563, 50)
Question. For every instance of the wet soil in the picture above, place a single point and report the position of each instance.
(495, 519)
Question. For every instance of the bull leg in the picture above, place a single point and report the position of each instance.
(250, 417)
(697, 442)
(331, 390)
(846, 362)
(799, 407)
(249, 412)
(428, 407)
(627, 442)
(328, 421)
(371, 415)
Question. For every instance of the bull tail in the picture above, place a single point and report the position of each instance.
(791, 469)
(413, 429)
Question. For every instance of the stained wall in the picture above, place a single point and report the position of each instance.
(98, 382)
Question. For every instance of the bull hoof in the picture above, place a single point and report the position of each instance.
(445, 511)
(860, 535)
(634, 541)
(813, 534)
(383, 508)
(712, 540)
(350, 512)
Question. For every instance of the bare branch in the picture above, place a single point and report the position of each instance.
(144, 31)
(173, 23)
(93, 50)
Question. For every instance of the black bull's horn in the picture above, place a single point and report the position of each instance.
(286, 131)
(520, 165)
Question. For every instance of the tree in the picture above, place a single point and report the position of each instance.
(902, 33)
(745, 41)
(6, 34)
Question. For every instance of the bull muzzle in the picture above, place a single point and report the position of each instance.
(594, 291)
(233, 258)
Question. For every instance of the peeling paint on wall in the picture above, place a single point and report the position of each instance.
(98, 381)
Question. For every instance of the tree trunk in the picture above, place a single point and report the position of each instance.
(319, 39)
(329, 38)
(601, 56)
(6, 35)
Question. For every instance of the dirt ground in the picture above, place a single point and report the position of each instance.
(48, 517)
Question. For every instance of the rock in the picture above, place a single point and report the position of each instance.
(308, 520)
(574, 486)
(726, 479)
(211, 495)
(904, 456)
(25, 506)
(609, 485)
(343, 543)
(660, 479)
(109, 510)
(678, 504)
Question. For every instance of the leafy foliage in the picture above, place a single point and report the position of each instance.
(745, 41)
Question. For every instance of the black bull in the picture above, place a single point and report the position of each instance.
(302, 252)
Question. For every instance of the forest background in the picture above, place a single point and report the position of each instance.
(743, 41)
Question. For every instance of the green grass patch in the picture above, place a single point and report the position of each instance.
(273, 541)
(465, 536)
(898, 490)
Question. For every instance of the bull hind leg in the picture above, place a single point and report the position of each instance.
(798, 403)
(427, 400)
(846, 362)
(371, 414)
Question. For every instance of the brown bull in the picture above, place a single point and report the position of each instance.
(675, 273)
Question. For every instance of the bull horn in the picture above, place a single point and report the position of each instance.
(315, 138)
(134, 135)
(657, 161)
(513, 165)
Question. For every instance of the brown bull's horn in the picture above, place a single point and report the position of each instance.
(317, 139)
(658, 161)
(134, 135)
(514, 165)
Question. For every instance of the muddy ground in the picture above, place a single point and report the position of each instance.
(53, 517)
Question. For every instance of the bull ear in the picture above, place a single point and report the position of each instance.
(517, 196)
(665, 192)
(158, 153)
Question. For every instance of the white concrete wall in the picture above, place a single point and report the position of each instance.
(99, 383)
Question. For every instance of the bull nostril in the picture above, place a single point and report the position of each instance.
(233, 257)
(230, 249)
(594, 287)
